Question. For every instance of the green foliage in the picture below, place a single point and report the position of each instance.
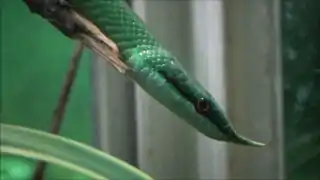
(38, 145)
(34, 60)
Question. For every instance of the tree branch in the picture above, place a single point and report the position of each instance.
(61, 106)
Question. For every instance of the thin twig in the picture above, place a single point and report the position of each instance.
(61, 106)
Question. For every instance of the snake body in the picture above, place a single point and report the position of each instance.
(157, 71)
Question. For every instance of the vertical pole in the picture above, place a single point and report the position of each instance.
(209, 67)
(166, 144)
(254, 86)
(114, 112)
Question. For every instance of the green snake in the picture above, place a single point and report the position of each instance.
(157, 71)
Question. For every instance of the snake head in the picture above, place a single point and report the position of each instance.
(166, 81)
(207, 116)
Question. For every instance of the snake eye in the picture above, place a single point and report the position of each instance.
(202, 106)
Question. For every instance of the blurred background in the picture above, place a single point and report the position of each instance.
(258, 58)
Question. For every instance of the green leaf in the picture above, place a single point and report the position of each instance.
(34, 144)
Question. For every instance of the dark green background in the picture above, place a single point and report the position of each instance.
(34, 60)
(301, 83)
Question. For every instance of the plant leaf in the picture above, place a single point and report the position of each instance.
(64, 152)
